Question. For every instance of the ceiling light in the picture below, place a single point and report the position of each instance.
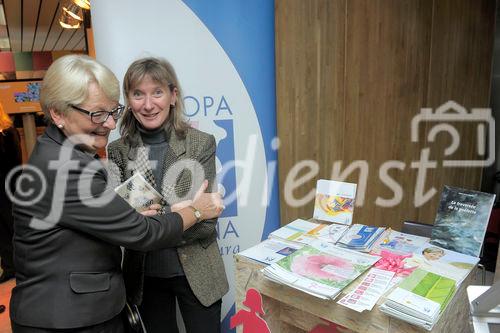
(71, 15)
(69, 25)
(68, 22)
(85, 4)
(74, 11)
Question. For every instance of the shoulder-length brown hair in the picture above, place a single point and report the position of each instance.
(163, 73)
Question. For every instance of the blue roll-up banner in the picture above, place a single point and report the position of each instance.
(223, 52)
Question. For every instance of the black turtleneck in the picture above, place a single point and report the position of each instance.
(157, 143)
(160, 263)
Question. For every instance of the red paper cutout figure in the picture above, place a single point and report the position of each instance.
(251, 321)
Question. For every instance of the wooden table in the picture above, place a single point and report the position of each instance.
(289, 310)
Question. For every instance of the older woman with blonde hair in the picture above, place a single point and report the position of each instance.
(68, 225)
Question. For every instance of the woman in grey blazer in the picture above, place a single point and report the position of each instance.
(157, 141)
(68, 225)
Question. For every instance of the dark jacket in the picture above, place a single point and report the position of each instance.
(10, 151)
(67, 243)
(198, 250)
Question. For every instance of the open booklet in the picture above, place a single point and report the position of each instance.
(320, 269)
(138, 192)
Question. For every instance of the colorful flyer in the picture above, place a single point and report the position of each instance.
(334, 201)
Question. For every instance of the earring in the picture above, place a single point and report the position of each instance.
(60, 125)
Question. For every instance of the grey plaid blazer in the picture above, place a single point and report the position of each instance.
(198, 251)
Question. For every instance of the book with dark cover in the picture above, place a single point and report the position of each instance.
(462, 219)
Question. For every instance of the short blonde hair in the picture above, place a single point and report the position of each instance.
(67, 81)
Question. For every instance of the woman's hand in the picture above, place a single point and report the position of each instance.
(152, 210)
(210, 205)
(180, 205)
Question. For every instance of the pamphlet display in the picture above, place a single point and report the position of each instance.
(416, 277)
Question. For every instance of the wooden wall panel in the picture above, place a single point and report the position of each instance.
(386, 84)
(30, 16)
(49, 12)
(460, 70)
(310, 53)
(352, 74)
(13, 16)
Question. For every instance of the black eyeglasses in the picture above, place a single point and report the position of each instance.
(99, 117)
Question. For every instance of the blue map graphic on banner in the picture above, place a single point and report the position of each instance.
(226, 156)
(248, 24)
(240, 27)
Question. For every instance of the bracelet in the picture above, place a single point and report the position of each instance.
(197, 213)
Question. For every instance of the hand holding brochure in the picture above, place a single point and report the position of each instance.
(138, 193)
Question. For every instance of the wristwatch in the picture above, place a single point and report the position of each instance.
(196, 213)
